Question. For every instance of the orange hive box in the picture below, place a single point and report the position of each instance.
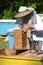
(20, 39)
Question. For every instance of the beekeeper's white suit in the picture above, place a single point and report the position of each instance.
(36, 20)
(39, 36)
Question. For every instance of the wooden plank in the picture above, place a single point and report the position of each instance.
(7, 52)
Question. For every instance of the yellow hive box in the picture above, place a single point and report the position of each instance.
(13, 60)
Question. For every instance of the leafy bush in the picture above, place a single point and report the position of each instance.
(8, 8)
(8, 14)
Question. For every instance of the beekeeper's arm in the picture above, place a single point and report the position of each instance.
(37, 27)
(28, 26)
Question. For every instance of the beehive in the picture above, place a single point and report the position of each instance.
(20, 39)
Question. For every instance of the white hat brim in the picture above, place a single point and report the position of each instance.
(22, 14)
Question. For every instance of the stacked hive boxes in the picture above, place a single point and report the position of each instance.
(20, 39)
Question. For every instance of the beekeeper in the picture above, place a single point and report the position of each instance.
(32, 20)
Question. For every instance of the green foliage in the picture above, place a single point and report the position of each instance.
(33, 6)
(8, 8)
(8, 14)
(4, 44)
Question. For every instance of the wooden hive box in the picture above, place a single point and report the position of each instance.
(19, 33)
(7, 52)
(20, 39)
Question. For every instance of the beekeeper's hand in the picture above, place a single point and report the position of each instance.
(26, 27)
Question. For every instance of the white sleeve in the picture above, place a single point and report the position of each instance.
(38, 19)
(38, 26)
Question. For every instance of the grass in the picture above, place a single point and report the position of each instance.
(3, 44)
